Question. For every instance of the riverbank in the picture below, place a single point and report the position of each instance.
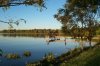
(89, 56)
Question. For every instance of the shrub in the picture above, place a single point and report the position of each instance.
(12, 56)
(27, 53)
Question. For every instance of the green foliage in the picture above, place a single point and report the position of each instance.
(87, 58)
(47, 61)
(98, 30)
(49, 58)
(79, 17)
(12, 56)
(8, 3)
(27, 53)
(65, 30)
(85, 4)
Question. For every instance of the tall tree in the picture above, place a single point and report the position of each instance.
(80, 14)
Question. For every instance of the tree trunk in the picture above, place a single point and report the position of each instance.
(90, 43)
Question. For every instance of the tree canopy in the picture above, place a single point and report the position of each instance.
(78, 10)
(80, 17)
(5, 4)
(9, 3)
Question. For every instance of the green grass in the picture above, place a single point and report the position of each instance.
(90, 57)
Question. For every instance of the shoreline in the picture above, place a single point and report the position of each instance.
(64, 57)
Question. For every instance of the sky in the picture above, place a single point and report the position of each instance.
(35, 19)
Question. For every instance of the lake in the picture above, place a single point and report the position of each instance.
(38, 46)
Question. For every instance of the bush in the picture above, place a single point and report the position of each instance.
(12, 56)
(27, 53)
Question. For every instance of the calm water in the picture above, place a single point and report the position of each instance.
(38, 46)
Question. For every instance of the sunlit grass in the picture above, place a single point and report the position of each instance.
(90, 57)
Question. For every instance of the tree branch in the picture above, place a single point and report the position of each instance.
(7, 3)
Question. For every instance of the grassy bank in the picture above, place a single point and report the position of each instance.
(77, 57)
(90, 57)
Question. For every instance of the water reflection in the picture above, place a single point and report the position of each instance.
(22, 35)
(48, 42)
(38, 47)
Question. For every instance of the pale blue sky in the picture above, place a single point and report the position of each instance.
(34, 18)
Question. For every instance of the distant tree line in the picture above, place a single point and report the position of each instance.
(75, 31)
(33, 31)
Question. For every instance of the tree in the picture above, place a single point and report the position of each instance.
(11, 22)
(5, 4)
(80, 16)
(9, 3)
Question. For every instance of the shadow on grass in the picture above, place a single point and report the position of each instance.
(95, 61)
